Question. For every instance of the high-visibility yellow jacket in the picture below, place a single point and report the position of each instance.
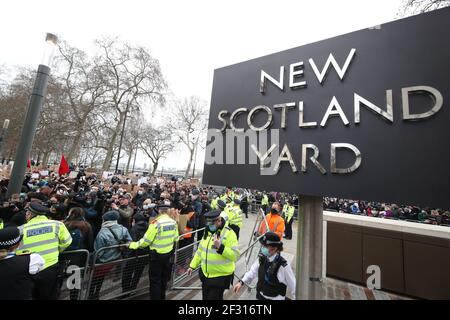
(217, 262)
(160, 236)
(224, 215)
(228, 197)
(214, 203)
(234, 213)
(45, 237)
(265, 200)
(288, 211)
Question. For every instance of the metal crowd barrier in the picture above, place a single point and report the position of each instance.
(251, 253)
(184, 253)
(125, 274)
(73, 269)
(118, 278)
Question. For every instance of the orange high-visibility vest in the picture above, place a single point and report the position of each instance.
(276, 224)
(186, 234)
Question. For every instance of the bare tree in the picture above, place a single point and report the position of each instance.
(132, 76)
(156, 143)
(132, 137)
(188, 123)
(411, 7)
(84, 88)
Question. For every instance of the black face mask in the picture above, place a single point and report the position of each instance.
(274, 211)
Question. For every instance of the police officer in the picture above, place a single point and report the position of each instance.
(216, 255)
(265, 203)
(161, 235)
(235, 216)
(47, 238)
(288, 211)
(222, 207)
(275, 276)
(16, 270)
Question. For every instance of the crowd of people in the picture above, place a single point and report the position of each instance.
(427, 215)
(95, 214)
(56, 213)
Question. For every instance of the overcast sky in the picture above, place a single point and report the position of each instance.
(190, 38)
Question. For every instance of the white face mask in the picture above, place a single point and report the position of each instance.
(140, 192)
(145, 206)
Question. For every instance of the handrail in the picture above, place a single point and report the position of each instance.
(242, 254)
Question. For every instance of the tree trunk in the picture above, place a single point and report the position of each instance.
(45, 158)
(75, 146)
(186, 174)
(39, 158)
(155, 166)
(129, 161)
(112, 142)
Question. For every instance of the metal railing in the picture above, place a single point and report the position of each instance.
(184, 253)
(73, 269)
(117, 272)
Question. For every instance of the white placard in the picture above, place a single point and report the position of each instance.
(73, 174)
(107, 175)
(43, 173)
(142, 180)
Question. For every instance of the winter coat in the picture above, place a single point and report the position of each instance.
(105, 238)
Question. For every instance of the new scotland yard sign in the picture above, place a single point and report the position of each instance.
(362, 116)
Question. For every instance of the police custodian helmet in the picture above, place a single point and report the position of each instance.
(271, 239)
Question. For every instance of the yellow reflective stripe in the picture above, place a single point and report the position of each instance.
(66, 241)
(38, 243)
(217, 262)
(48, 251)
(165, 237)
(162, 245)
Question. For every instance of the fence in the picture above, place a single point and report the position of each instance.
(184, 252)
(116, 272)
(92, 277)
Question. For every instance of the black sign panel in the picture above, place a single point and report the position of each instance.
(382, 92)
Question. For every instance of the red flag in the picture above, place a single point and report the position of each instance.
(63, 166)
(29, 164)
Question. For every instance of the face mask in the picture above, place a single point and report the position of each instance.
(274, 211)
(265, 251)
(212, 228)
(140, 193)
(145, 206)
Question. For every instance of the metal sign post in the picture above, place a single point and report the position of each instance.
(309, 248)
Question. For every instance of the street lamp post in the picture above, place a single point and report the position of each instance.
(195, 160)
(121, 140)
(32, 118)
(2, 136)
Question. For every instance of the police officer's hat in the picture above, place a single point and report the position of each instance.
(221, 204)
(237, 201)
(212, 215)
(271, 239)
(9, 237)
(163, 207)
(38, 209)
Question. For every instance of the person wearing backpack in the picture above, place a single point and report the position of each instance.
(110, 234)
(80, 230)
